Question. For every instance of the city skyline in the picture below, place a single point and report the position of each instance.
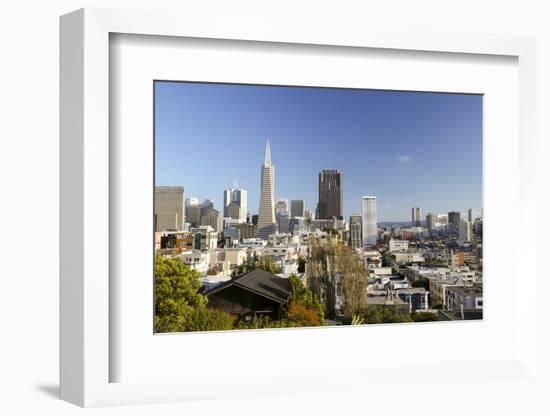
(180, 115)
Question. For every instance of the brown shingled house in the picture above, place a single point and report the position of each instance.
(255, 293)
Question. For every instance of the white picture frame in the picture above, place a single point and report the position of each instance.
(86, 355)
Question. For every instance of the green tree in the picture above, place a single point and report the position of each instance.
(266, 263)
(302, 296)
(243, 269)
(176, 294)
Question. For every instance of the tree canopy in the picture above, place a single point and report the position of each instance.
(303, 306)
(178, 304)
(266, 263)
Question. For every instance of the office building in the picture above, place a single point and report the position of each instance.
(168, 208)
(465, 231)
(453, 222)
(283, 222)
(355, 231)
(431, 220)
(266, 214)
(416, 213)
(297, 225)
(282, 215)
(236, 198)
(281, 205)
(330, 195)
(297, 208)
(471, 215)
(192, 212)
(211, 217)
(369, 221)
(233, 211)
(246, 230)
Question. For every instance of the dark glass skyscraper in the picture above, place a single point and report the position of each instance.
(454, 220)
(330, 194)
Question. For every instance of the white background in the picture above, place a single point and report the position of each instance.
(138, 60)
(29, 208)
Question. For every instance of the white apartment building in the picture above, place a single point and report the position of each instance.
(398, 245)
(464, 231)
(196, 260)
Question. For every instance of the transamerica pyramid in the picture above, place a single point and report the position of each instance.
(266, 214)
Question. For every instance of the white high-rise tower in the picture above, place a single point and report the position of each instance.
(266, 212)
(370, 225)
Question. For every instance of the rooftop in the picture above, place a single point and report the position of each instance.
(261, 282)
(466, 291)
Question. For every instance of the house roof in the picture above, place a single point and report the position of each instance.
(260, 282)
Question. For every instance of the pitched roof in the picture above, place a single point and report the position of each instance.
(261, 282)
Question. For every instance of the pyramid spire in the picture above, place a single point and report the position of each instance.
(267, 160)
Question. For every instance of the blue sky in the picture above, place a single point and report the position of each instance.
(407, 148)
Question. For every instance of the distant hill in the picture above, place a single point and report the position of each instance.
(397, 224)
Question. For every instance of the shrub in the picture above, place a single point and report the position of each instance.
(302, 316)
(204, 319)
(424, 317)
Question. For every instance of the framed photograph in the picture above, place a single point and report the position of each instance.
(248, 214)
(315, 236)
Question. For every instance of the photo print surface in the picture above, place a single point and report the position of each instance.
(288, 207)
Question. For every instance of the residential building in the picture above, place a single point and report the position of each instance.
(168, 208)
(330, 194)
(463, 297)
(416, 297)
(196, 260)
(252, 243)
(177, 240)
(398, 245)
(204, 237)
(257, 293)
